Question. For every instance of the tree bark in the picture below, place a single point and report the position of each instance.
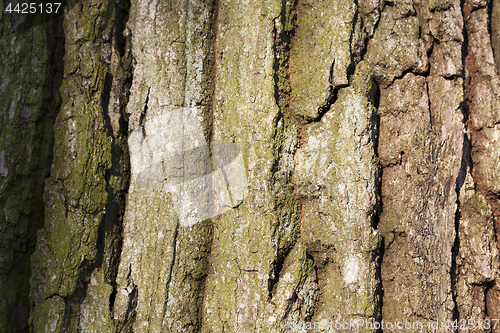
(368, 130)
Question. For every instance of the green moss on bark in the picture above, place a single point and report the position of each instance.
(28, 100)
(76, 193)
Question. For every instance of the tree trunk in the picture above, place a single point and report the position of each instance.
(369, 136)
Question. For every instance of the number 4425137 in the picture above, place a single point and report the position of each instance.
(34, 8)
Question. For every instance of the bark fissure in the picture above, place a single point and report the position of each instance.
(143, 114)
(481, 204)
(115, 93)
(494, 29)
(120, 168)
(170, 273)
(209, 123)
(332, 93)
(284, 27)
(465, 167)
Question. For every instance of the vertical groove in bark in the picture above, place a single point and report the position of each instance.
(165, 323)
(211, 84)
(285, 141)
(101, 293)
(479, 260)
(114, 101)
(294, 299)
(495, 31)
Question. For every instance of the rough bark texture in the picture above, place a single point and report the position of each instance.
(370, 133)
(31, 71)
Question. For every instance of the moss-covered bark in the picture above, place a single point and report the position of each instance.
(29, 100)
(293, 194)
(246, 240)
(71, 275)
